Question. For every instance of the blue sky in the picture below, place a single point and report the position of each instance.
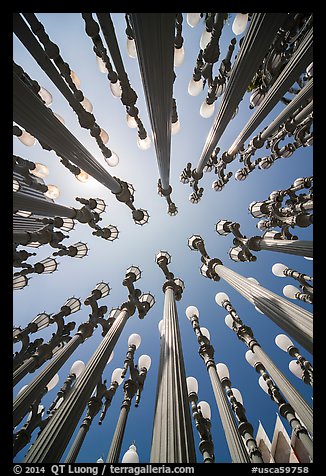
(138, 245)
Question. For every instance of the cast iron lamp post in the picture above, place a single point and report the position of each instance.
(285, 409)
(201, 414)
(235, 443)
(63, 423)
(300, 367)
(172, 437)
(45, 351)
(281, 270)
(295, 321)
(133, 386)
(85, 330)
(245, 334)
(292, 292)
(243, 245)
(245, 427)
(45, 266)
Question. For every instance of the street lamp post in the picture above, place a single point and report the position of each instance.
(235, 443)
(285, 409)
(133, 386)
(85, 330)
(245, 334)
(245, 427)
(201, 413)
(300, 367)
(297, 322)
(172, 438)
(63, 423)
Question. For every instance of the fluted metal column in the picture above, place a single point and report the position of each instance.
(262, 30)
(115, 448)
(294, 320)
(23, 401)
(53, 440)
(154, 38)
(300, 59)
(292, 247)
(30, 113)
(172, 439)
(41, 207)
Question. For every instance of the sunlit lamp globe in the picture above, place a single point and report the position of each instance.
(175, 127)
(116, 376)
(113, 160)
(295, 368)
(27, 139)
(220, 298)
(131, 455)
(263, 384)
(195, 87)
(222, 370)
(77, 368)
(101, 65)
(160, 326)
(134, 339)
(100, 460)
(278, 270)
(193, 19)
(131, 48)
(205, 39)
(283, 342)
(40, 170)
(75, 79)
(179, 56)
(229, 321)
(205, 332)
(251, 358)
(53, 382)
(104, 136)
(144, 144)
(116, 89)
(205, 409)
(131, 122)
(206, 110)
(290, 291)
(192, 311)
(240, 23)
(87, 105)
(237, 395)
(253, 280)
(82, 176)
(46, 96)
(192, 385)
(52, 192)
(144, 361)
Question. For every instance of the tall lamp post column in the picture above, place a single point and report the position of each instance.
(245, 334)
(300, 367)
(236, 446)
(62, 425)
(294, 320)
(172, 438)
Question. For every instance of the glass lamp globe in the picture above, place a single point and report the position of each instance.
(222, 370)
(205, 409)
(75, 79)
(116, 376)
(206, 110)
(113, 160)
(27, 139)
(53, 382)
(263, 384)
(77, 368)
(195, 87)
(192, 311)
(253, 280)
(240, 23)
(160, 326)
(52, 192)
(251, 358)
(175, 127)
(179, 56)
(229, 321)
(116, 89)
(205, 332)
(193, 19)
(192, 385)
(144, 361)
(101, 65)
(290, 291)
(40, 170)
(220, 298)
(131, 455)
(283, 342)
(46, 96)
(100, 460)
(295, 368)
(82, 177)
(131, 122)
(144, 144)
(104, 136)
(87, 105)
(134, 339)
(205, 39)
(237, 395)
(131, 48)
(278, 270)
